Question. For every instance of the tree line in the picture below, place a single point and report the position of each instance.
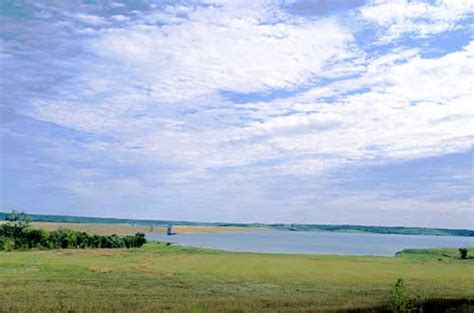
(17, 233)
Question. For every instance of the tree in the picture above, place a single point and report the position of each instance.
(19, 218)
(16, 229)
(463, 253)
(17, 234)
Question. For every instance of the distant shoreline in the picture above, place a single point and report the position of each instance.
(203, 227)
(128, 229)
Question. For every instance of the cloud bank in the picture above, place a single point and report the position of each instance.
(240, 111)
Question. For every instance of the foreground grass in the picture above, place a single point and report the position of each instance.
(179, 279)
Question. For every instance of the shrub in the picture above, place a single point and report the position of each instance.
(140, 239)
(36, 238)
(463, 253)
(400, 300)
(16, 229)
(17, 234)
(6, 244)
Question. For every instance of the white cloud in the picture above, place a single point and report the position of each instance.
(418, 18)
(147, 90)
(91, 19)
(120, 18)
(411, 107)
(220, 49)
(415, 109)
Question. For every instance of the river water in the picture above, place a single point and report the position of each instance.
(313, 242)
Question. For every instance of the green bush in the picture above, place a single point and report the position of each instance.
(36, 237)
(17, 234)
(400, 300)
(463, 253)
(6, 244)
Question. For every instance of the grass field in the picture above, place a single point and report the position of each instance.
(159, 278)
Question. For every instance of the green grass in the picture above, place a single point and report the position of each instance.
(429, 254)
(182, 279)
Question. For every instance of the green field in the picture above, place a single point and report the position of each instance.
(159, 278)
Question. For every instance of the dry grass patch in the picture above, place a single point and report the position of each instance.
(127, 229)
(181, 229)
(97, 269)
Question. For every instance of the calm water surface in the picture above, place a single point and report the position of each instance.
(314, 242)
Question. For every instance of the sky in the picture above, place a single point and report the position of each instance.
(292, 111)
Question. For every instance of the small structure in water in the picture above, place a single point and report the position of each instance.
(169, 231)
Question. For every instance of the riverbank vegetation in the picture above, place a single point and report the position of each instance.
(160, 277)
(130, 229)
(17, 234)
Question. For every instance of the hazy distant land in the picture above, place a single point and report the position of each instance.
(128, 226)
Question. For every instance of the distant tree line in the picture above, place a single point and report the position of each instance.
(400, 230)
(290, 227)
(18, 234)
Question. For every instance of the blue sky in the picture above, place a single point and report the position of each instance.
(242, 111)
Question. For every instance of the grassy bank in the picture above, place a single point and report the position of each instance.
(158, 277)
